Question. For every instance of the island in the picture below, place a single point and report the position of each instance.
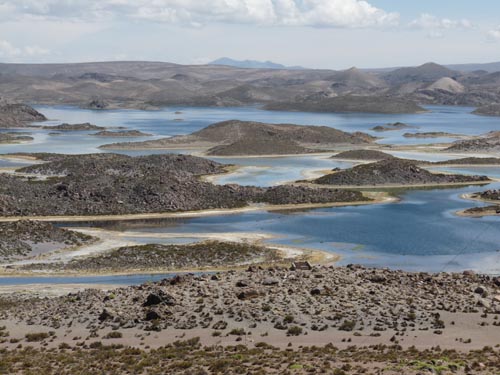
(122, 133)
(111, 184)
(348, 103)
(394, 172)
(240, 138)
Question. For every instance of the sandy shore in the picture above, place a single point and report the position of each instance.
(470, 197)
(109, 240)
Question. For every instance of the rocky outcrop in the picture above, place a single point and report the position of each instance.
(118, 184)
(469, 161)
(488, 143)
(391, 127)
(424, 135)
(392, 172)
(74, 127)
(362, 155)
(19, 239)
(15, 115)
(259, 147)
(124, 133)
(236, 137)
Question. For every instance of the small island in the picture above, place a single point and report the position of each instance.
(73, 127)
(394, 172)
(121, 133)
(349, 103)
(391, 127)
(249, 138)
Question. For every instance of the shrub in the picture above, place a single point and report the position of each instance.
(294, 331)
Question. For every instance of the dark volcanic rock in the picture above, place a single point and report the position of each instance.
(363, 155)
(124, 133)
(236, 137)
(118, 184)
(259, 147)
(489, 143)
(391, 127)
(74, 127)
(392, 171)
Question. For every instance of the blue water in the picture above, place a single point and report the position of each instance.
(116, 280)
(163, 123)
(418, 233)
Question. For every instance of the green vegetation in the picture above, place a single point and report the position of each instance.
(190, 357)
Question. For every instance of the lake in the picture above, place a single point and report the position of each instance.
(419, 233)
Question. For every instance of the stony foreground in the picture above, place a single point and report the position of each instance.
(341, 306)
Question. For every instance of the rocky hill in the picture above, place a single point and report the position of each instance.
(148, 85)
(15, 115)
(73, 127)
(429, 72)
(488, 143)
(391, 127)
(392, 172)
(118, 184)
(20, 239)
(350, 103)
(488, 110)
(363, 155)
(123, 133)
(236, 137)
(470, 161)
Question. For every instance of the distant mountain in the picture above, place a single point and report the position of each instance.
(488, 67)
(251, 64)
(353, 78)
(429, 72)
(467, 68)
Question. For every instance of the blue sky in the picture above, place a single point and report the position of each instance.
(334, 34)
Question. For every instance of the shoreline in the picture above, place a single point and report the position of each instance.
(288, 254)
(192, 214)
(469, 197)
(397, 186)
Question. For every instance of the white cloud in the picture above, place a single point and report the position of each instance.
(12, 53)
(494, 35)
(430, 22)
(314, 13)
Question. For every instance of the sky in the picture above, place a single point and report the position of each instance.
(332, 34)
